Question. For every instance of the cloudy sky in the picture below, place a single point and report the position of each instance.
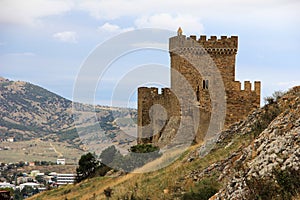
(46, 42)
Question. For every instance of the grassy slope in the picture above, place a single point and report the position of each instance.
(176, 177)
(39, 150)
(150, 184)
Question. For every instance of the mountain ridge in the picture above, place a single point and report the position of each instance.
(29, 112)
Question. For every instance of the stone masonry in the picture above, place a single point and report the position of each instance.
(159, 114)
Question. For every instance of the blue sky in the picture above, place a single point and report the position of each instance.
(46, 42)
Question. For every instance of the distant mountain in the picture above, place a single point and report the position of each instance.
(30, 112)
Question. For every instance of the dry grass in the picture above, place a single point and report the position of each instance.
(159, 184)
(297, 197)
(38, 150)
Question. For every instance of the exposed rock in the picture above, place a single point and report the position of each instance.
(277, 147)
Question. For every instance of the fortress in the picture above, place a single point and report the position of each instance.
(159, 114)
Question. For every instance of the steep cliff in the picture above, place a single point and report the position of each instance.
(269, 168)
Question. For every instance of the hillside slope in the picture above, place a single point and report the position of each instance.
(257, 158)
(269, 168)
(29, 112)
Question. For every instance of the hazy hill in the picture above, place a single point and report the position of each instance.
(257, 158)
(29, 112)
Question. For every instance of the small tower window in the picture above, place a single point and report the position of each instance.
(205, 84)
(198, 94)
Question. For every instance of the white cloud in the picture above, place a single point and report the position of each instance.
(66, 36)
(30, 12)
(210, 9)
(248, 11)
(166, 21)
(109, 27)
(112, 28)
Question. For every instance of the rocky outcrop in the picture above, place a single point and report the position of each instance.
(275, 150)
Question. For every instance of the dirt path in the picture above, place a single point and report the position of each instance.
(59, 154)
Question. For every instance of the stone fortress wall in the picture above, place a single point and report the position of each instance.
(161, 122)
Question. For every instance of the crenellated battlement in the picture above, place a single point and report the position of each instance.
(153, 92)
(186, 53)
(148, 92)
(214, 42)
(247, 86)
(166, 91)
(213, 45)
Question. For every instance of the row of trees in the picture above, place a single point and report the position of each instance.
(90, 165)
(18, 194)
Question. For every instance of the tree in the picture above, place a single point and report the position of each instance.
(87, 166)
(143, 148)
(28, 191)
(108, 155)
(138, 156)
(10, 190)
(274, 98)
(40, 179)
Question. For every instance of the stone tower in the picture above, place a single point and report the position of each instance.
(187, 54)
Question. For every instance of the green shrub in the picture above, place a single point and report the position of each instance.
(205, 189)
(270, 113)
(262, 188)
(108, 155)
(138, 156)
(143, 148)
(289, 182)
(87, 167)
(274, 98)
(203, 194)
(284, 185)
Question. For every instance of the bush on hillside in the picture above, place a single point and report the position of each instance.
(138, 156)
(88, 165)
(203, 190)
(143, 148)
(284, 185)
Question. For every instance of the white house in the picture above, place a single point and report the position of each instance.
(10, 139)
(7, 185)
(61, 161)
(34, 173)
